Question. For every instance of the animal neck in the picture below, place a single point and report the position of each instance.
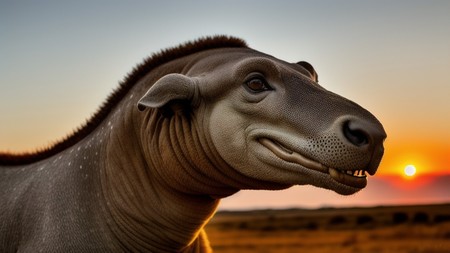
(158, 199)
(186, 160)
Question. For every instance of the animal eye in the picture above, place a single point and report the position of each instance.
(257, 84)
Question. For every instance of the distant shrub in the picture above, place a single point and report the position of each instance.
(312, 226)
(364, 220)
(421, 217)
(399, 217)
(268, 228)
(337, 220)
(243, 225)
(442, 218)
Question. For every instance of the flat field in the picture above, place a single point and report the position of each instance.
(391, 229)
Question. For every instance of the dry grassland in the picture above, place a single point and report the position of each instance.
(403, 229)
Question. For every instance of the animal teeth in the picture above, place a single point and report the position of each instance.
(355, 173)
(343, 177)
(359, 173)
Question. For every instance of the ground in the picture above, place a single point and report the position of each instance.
(402, 229)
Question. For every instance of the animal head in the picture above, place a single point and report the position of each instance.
(271, 121)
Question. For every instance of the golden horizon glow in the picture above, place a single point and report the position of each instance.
(429, 157)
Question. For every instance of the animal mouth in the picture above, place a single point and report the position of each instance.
(354, 178)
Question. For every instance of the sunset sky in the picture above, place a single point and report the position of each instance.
(59, 60)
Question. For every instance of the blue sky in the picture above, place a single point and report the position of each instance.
(59, 60)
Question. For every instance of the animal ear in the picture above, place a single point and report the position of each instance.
(310, 69)
(168, 88)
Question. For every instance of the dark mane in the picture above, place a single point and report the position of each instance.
(138, 72)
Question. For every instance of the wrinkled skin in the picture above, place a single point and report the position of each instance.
(292, 111)
(190, 132)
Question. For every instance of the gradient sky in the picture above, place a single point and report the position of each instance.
(59, 60)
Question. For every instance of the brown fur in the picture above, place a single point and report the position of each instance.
(138, 72)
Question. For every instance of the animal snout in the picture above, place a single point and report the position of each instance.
(355, 134)
(367, 136)
(360, 132)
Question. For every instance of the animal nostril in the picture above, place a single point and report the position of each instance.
(355, 135)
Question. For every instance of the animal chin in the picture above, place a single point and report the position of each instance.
(352, 178)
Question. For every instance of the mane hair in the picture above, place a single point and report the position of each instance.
(116, 96)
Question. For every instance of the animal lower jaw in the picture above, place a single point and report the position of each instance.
(352, 178)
